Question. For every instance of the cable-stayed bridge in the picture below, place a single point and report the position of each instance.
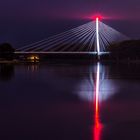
(93, 37)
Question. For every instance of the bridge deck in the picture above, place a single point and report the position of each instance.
(101, 53)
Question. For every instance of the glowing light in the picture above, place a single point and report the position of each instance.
(97, 36)
(98, 17)
(33, 58)
(97, 126)
(97, 88)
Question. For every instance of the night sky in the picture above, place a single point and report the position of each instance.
(23, 22)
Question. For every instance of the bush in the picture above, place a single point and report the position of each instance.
(6, 51)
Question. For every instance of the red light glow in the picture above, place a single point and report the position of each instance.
(97, 129)
(97, 126)
(95, 17)
(98, 17)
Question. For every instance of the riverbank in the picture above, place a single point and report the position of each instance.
(83, 61)
(9, 61)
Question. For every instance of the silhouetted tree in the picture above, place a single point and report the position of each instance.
(125, 50)
(6, 51)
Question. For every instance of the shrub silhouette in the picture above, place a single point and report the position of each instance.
(6, 51)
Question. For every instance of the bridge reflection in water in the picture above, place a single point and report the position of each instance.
(95, 94)
(99, 101)
(97, 128)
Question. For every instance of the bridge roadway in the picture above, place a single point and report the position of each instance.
(32, 52)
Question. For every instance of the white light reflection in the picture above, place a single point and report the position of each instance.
(97, 127)
(107, 88)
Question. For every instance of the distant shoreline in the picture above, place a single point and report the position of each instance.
(9, 61)
(69, 60)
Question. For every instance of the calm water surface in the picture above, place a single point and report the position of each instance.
(70, 101)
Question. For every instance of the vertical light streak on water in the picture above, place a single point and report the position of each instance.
(97, 130)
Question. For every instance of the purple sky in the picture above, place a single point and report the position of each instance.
(23, 22)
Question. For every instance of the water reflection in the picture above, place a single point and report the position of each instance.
(6, 72)
(70, 102)
(87, 86)
(33, 67)
(97, 123)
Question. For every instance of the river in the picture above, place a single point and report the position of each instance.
(70, 101)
